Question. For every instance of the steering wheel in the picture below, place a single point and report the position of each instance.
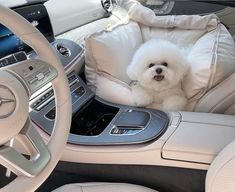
(17, 83)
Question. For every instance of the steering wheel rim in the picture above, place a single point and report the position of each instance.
(32, 37)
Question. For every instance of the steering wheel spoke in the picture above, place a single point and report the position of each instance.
(34, 73)
(20, 164)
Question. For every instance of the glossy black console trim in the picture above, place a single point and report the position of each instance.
(156, 126)
(38, 117)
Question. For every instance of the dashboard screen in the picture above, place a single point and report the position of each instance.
(37, 15)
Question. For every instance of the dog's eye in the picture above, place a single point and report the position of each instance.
(151, 65)
(165, 64)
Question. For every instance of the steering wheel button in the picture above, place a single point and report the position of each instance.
(40, 76)
(32, 80)
(46, 72)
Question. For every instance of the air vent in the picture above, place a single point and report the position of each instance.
(63, 50)
(107, 5)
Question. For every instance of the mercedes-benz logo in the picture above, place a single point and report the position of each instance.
(7, 102)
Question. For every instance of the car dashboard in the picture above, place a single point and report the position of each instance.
(37, 15)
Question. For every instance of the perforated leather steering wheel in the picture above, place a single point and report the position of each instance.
(17, 83)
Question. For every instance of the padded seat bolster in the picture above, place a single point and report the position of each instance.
(103, 187)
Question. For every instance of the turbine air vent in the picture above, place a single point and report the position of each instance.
(107, 5)
(63, 50)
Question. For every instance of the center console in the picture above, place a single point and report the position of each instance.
(195, 138)
(122, 133)
(102, 123)
(97, 122)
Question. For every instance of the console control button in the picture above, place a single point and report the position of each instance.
(20, 56)
(51, 114)
(80, 91)
(77, 94)
(14, 58)
(48, 96)
(46, 72)
(40, 76)
(63, 50)
(117, 131)
(72, 80)
(125, 131)
(43, 101)
(32, 80)
(35, 73)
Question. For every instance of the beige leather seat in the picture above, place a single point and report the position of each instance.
(220, 178)
(103, 187)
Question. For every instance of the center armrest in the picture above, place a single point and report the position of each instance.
(199, 137)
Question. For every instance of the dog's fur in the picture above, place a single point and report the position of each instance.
(158, 68)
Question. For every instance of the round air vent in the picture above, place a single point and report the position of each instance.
(63, 50)
(107, 5)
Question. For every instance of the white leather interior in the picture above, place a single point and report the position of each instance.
(147, 17)
(69, 14)
(77, 35)
(220, 176)
(200, 137)
(209, 45)
(127, 4)
(104, 56)
(231, 110)
(13, 3)
(136, 154)
(127, 154)
(219, 99)
(103, 187)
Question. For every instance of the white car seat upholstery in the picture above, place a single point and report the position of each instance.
(208, 44)
(103, 187)
(220, 178)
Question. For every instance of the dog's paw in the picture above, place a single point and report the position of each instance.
(174, 103)
(141, 97)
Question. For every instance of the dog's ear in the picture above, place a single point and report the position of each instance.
(135, 69)
(132, 72)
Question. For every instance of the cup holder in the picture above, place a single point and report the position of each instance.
(92, 119)
(99, 123)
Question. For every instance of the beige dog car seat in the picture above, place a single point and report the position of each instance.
(210, 82)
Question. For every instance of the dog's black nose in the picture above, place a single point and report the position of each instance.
(159, 70)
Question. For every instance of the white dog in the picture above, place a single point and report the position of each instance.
(158, 68)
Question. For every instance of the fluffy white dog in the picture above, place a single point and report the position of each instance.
(157, 69)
